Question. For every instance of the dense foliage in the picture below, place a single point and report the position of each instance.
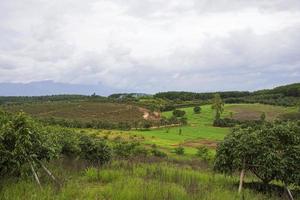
(271, 151)
(30, 99)
(287, 95)
(23, 143)
(197, 109)
(178, 113)
(186, 96)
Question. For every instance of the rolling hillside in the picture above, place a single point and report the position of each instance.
(82, 111)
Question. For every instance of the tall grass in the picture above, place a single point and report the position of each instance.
(122, 180)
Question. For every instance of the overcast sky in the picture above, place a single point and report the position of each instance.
(152, 45)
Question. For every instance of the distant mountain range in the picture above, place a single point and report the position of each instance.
(50, 87)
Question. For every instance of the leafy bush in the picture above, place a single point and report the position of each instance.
(270, 151)
(203, 153)
(158, 153)
(183, 120)
(69, 142)
(95, 150)
(178, 113)
(140, 151)
(179, 150)
(197, 109)
(226, 122)
(125, 149)
(23, 143)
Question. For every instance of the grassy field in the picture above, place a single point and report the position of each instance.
(82, 111)
(199, 130)
(122, 180)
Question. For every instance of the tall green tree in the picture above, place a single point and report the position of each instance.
(218, 106)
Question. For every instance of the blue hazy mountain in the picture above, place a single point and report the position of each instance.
(50, 87)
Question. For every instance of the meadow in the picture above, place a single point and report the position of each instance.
(132, 180)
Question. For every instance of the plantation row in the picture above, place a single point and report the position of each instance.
(142, 124)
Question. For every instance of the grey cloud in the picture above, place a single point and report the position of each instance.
(46, 40)
(156, 8)
(238, 5)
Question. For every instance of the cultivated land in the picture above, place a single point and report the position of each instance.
(199, 131)
(254, 111)
(83, 111)
(178, 177)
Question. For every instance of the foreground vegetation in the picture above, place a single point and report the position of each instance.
(189, 151)
(132, 180)
(68, 164)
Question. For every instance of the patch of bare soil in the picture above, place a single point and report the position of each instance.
(243, 114)
(148, 115)
(197, 143)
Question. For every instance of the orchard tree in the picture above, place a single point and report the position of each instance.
(197, 109)
(178, 113)
(95, 150)
(24, 145)
(218, 106)
(270, 151)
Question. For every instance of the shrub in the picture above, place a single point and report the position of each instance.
(226, 122)
(203, 153)
(197, 109)
(158, 153)
(183, 120)
(179, 150)
(95, 150)
(69, 142)
(178, 113)
(125, 149)
(140, 151)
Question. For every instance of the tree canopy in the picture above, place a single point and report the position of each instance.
(22, 143)
(270, 151)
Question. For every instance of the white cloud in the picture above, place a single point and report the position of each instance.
(151, 45)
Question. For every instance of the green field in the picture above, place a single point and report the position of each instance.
(199, 130)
